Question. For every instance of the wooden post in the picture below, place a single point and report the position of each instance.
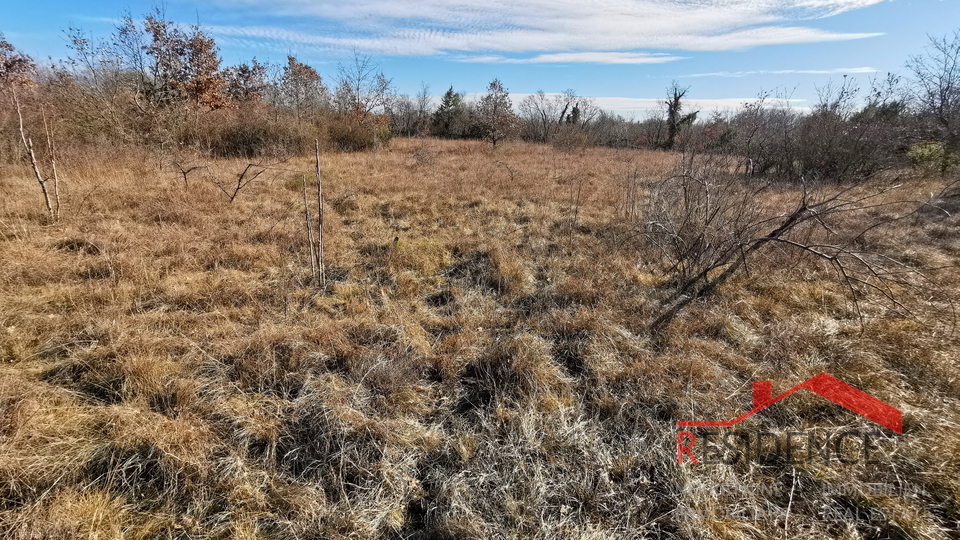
(320, 265)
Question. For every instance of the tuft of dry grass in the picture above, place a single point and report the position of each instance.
(476, 367)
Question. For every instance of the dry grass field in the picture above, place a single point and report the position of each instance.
(478, 364)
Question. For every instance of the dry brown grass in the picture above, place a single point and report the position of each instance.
(477, 366)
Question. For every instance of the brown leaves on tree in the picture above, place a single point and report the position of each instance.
(185, 65)
(15, 67)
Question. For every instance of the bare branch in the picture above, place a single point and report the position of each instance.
(28, 146)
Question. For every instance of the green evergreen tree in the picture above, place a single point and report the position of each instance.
(448, 117)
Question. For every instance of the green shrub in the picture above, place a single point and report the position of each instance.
(384, 134)
(932, 156)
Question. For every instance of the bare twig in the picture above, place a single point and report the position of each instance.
(786, 519)
(52, 151)
(185, 171)
(512, 172)
(234, 188)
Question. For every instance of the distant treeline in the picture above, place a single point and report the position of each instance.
(160, 85)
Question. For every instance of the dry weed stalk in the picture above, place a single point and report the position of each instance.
(630, 200)
(309, 226)
(320, 218)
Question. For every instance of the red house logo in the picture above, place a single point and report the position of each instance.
(826, 386)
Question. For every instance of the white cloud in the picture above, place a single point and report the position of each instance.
(595, 57)
(835, 71)
(560, 27)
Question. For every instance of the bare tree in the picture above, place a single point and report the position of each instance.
(423, 109)
(537, 113)
(302, 88)
(362, 88)
(102, 79)
(245, 83)
(937, 89)
(676, 120)
(129, 47)
(410, 116)
(403, 115)
(546, 115)
(16, 72)
(495, 113)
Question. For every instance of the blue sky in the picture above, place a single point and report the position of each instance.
(624, 53)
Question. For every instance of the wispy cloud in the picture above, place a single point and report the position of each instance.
(599, 57)
(604, 31)
(835, 71)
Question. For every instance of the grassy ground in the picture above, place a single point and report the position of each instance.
(477, 365)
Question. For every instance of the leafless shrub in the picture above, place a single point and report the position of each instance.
(348, 135)
(510, 171)
(937, 90)
(253, 136)
(423, 156)
(232, 187)
(696, 220)
(838, 141)
(707, 223)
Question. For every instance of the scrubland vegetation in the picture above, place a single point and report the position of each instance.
(508, 331)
